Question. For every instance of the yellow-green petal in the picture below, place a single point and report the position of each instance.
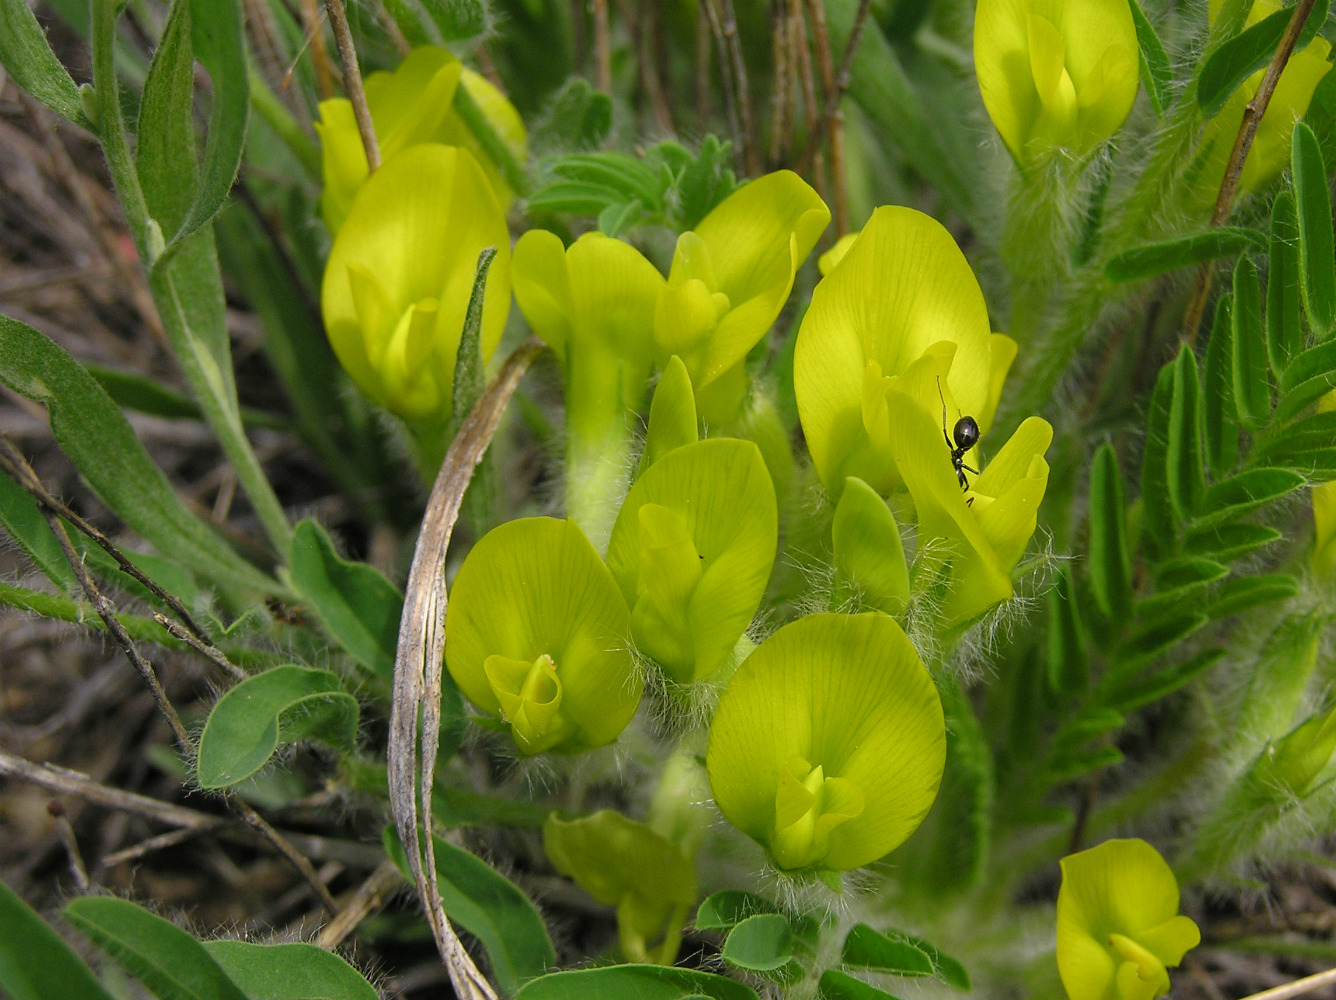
(869, 558)
(711, 502)
(399, 275)
(1118, 925)
(536, 621)
(844, 693)
(902, 287)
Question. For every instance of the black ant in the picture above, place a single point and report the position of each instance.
(966, 434)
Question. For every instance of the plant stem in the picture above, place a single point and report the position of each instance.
(602, 48)
(1238, 156)
(352, 81)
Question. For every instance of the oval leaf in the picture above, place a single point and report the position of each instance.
(1183, 461)
(1109, 562)
(837, 985)
(866, 948)
(278, 706)
(761, 943)
(289, 972)
(155, 951)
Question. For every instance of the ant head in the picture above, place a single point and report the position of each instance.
(966, 433)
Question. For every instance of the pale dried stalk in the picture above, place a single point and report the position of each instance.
(782, 88)
(1297, 988)
(602, 47)
(324, 77)
(419, 659)
(1238, 156)
(369, 898)
(818, 174)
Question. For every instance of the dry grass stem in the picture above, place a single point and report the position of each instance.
(416, 711)
(369, 897)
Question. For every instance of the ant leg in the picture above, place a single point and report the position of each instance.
(968, 469)
(949, 443)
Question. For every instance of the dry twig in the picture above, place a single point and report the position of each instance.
(418, 664)
(602, 47)
(352, 81)
(369, 898)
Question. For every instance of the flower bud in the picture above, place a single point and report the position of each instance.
(411, 106)
(1056, 74)
(398, 279)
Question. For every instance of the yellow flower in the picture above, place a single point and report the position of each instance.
(982, 532)
(1118, 923)
(730, 278)
(399, 275)
(411, 106)
(1055, 74)
(829, 742)
(901, 287)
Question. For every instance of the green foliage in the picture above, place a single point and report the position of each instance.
(356, 604)
(491, 908)
(35, 964)
(1247, 52)
(1156, 71)
(281, 705)
(27, 57)
(171, 963)
(667, 186)
(634, 982)
(288, 971)
(1170, 255)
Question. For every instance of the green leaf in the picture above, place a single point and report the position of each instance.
(1230, 541)
(1110, 570)
(171, 963)
(492, 909)
(353, 601)
(1156, 510)
(1317, 256)
(634, 982)
(1077, 765)
(1252, 390)
(618, 219)
(569, 196)
(1284, 327)
(1090, 724)
(1309, 377)
(461, 807)
(947, 969)
(729, 907)
(26, 56)
(837, 985)
(65, 609)
(470, 377)
(1067, 667)
(1246, 592)
(1244, 493)
(93, 432)
(1219, 416)
(216, 40)
(27, 525)
(458, 19)
(632, 178)
(577, 117)
(1149, 641)
(1156, 72)
(145, 395)
(289, 972)
(35, 964)
(1311, 433)
(866, 948)
(1180, 581)
(1170, 255)
(1183, 459)
(1140, 691)
(281, 705)
(761, 943)
(1247, 52)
